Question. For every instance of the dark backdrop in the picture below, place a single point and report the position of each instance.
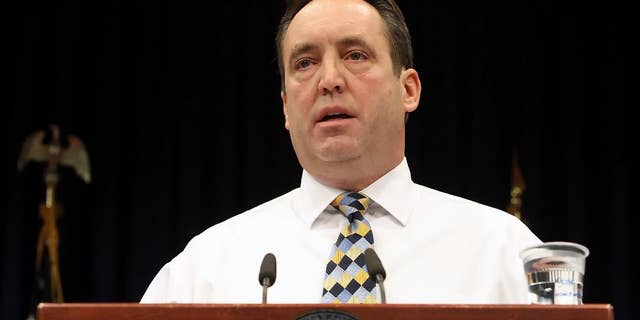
(178, 105)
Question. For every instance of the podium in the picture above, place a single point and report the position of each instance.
(134, 311)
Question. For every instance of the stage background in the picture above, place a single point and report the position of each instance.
(178, 105)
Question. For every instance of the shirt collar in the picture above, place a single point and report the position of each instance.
(390, 192)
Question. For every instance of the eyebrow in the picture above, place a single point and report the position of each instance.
(351, 41)
(300, 49)
(357, 42)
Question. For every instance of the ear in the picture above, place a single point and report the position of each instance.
(283, 96)
(412, 89)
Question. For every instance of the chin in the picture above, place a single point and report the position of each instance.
(338, 153)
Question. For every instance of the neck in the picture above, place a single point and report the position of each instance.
(352, 175)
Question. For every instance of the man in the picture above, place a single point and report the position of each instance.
(347, 86)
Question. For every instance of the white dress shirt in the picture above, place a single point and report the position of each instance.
(435, 247)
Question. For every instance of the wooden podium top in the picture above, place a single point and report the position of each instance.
(132, 311)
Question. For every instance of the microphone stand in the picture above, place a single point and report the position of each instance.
(380, 281)
(266, 283)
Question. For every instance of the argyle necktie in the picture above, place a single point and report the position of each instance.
(346, 279)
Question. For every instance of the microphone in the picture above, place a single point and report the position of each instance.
(267, 275)
(376, 270)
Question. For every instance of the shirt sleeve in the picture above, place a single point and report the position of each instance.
(157, 292)
(516, 287)
(174, 282)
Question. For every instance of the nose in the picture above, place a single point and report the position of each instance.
(331, 78)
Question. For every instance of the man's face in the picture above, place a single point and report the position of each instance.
(342, 100)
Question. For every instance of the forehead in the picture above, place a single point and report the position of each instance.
(333, 20)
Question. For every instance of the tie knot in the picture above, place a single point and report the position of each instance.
(351, 202)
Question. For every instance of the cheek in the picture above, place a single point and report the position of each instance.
(386, 107)
(299, 107)
(378, 83)
(303, 94)
(380, 92)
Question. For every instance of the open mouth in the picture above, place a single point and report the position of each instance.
(336, 115)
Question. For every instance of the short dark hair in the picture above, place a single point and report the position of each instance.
(396, 31)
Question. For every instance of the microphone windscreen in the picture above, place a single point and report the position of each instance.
(374, 265)
(268, 269)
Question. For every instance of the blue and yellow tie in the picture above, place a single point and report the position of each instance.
(346, 279)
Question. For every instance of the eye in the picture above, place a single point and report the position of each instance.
(303, 63)
(356, 55)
